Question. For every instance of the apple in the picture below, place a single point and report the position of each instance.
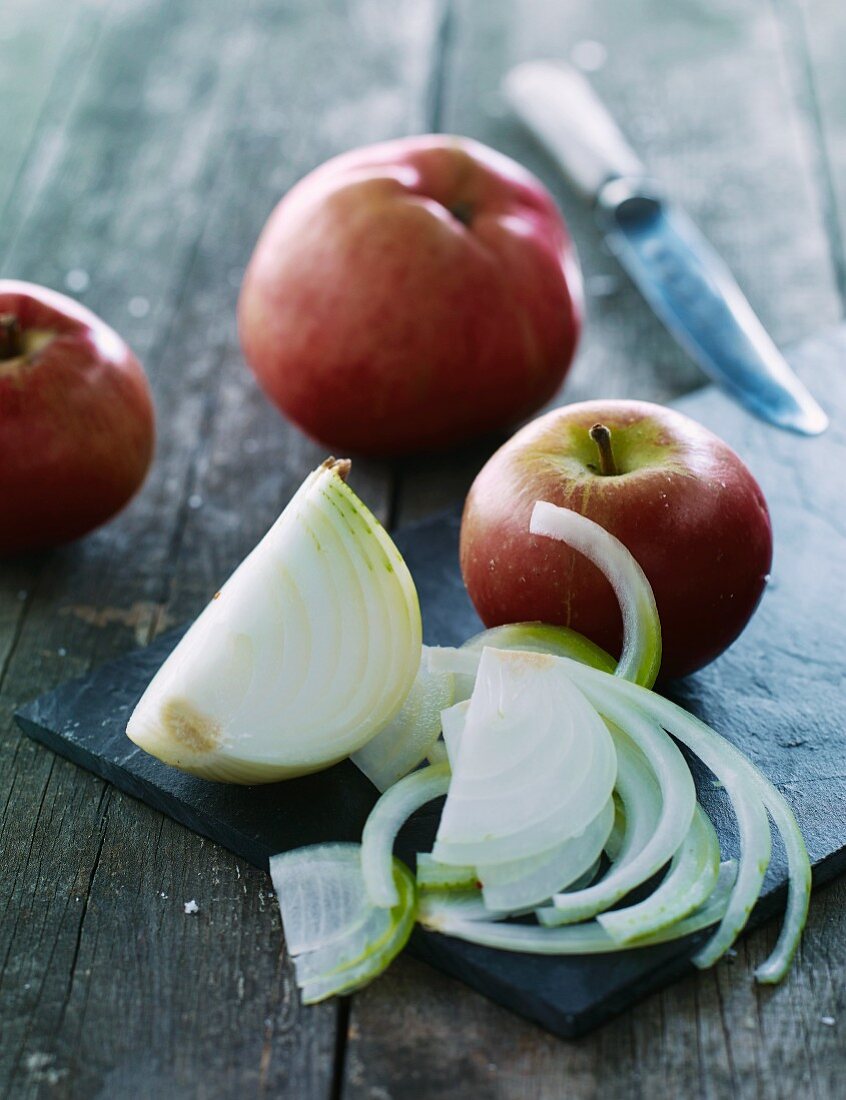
(76, 419)
(411, 295)
(675, 494)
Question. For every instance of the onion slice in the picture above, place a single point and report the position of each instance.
(688, 884)
(386, 819)
(432, 875)
(307, 651)
(658, 815)
(465, 904)
(640, 658)
(560, 641)
(580, 939)
(410, 737)
(525, 883)
(372, 963)
(321, 894)
(752, 795)
(337, 939)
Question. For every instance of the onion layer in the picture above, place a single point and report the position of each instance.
(409, 737)
(641, 655)
(534, 765)
(338, 940)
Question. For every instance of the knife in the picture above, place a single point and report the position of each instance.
(679, 274)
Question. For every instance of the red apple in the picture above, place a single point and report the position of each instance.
(76, 419)
(675, 494)
(411, 295)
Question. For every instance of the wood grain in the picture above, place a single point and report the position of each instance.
(189, 122)
(144, 143)
(815, 31)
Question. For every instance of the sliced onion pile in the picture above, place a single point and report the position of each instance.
(566, 793)
(307, 652)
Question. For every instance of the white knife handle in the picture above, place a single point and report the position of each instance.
(558, 104)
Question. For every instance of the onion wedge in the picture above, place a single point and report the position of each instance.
(535, 764)
(307, 652)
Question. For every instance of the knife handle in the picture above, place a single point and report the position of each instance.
(558, 104)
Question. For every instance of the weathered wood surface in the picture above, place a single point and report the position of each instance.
(144, 143)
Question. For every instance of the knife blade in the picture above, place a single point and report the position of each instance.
(680, 275)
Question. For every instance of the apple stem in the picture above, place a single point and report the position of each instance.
(11, 345)
(602, 438)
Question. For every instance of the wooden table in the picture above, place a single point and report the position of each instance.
(143, 144)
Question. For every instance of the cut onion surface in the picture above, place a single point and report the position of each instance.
(409, 737)
(535, 763)
(525, 883)
(306, 653)
(640, 658)
(337, 938)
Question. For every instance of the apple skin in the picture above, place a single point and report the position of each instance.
(411, 295)
(684, 504)
(76, 420)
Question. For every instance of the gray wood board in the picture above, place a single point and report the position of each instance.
(777, 693)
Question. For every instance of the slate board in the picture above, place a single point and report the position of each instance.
(778, 693)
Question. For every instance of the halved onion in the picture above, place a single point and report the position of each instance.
(640, 659)
(307, 652)
(409, 737)
(535, 763)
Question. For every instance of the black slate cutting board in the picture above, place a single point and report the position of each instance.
(778, 692)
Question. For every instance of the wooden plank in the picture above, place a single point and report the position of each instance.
(194, 118)
(697, 87)
(814, 32)
(45, 55)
